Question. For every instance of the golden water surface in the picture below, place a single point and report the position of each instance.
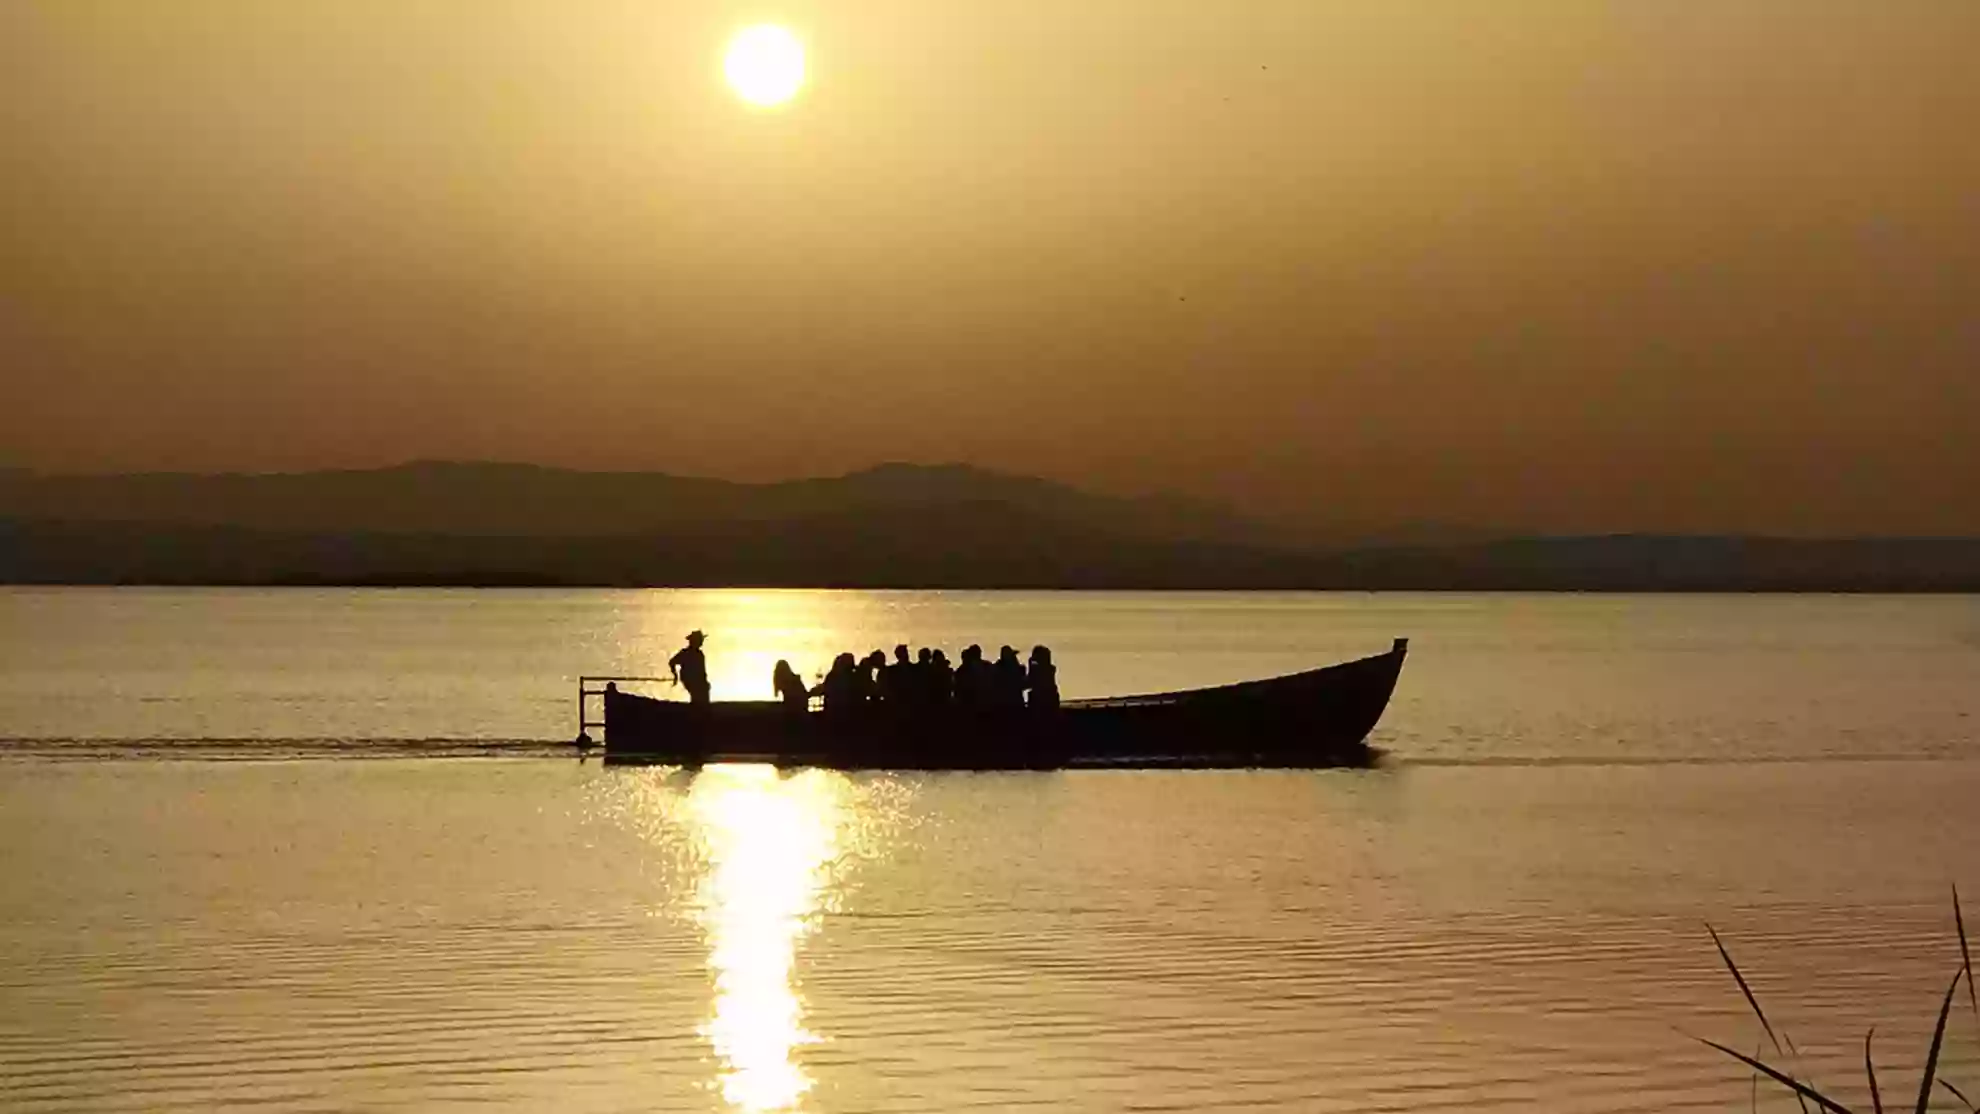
(1511, 917)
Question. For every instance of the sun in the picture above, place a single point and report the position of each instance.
(765, 65)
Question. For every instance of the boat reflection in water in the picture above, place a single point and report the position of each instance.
(770, 849)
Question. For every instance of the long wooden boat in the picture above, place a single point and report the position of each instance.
(1320, 718)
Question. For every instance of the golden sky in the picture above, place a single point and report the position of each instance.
(1553, 265)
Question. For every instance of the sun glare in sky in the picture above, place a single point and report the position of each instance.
(765, 65)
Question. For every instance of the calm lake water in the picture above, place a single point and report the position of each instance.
(205, 902)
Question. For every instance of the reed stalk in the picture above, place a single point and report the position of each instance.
(1807, 1092)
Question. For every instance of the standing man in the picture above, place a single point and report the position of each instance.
(690, 668)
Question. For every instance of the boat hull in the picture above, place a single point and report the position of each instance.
(1308, 720)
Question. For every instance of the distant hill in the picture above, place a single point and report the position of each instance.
(521, 500)
(892, 526)
(944, 544)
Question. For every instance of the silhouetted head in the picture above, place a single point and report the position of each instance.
(941, 658)
(972, 652)
(923, 656)
(1008, 653)
(696, 638)
(1041, 654)
(783, 670)
(844, 661)
(901, 654)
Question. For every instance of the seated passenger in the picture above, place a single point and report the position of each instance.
(1043, 680)
(941, 680)
(921, 679)
(840, 688)
(972, 688)
(789, 687)
(1007, 681)
(896, 680)
(870, 672)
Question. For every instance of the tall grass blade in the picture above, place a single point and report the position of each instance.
(1755, 1003)
(1963, 1100)
(1965, 958)
(1765, 1025)
(1801, 1090)
(1938, 1040)
(1870, 1069)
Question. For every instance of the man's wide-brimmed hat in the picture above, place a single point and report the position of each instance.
(696, 636)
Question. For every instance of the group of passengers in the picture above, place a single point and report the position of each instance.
(926, 680)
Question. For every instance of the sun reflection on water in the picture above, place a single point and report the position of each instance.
(755, 860)
(770, 846)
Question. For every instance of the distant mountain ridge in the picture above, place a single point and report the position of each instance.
(891, 526)
(524, 500)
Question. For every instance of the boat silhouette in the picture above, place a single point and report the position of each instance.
(1315, 719)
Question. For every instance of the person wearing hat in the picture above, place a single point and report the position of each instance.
(690, 668)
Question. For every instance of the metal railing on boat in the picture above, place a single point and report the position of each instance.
(586, 692)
